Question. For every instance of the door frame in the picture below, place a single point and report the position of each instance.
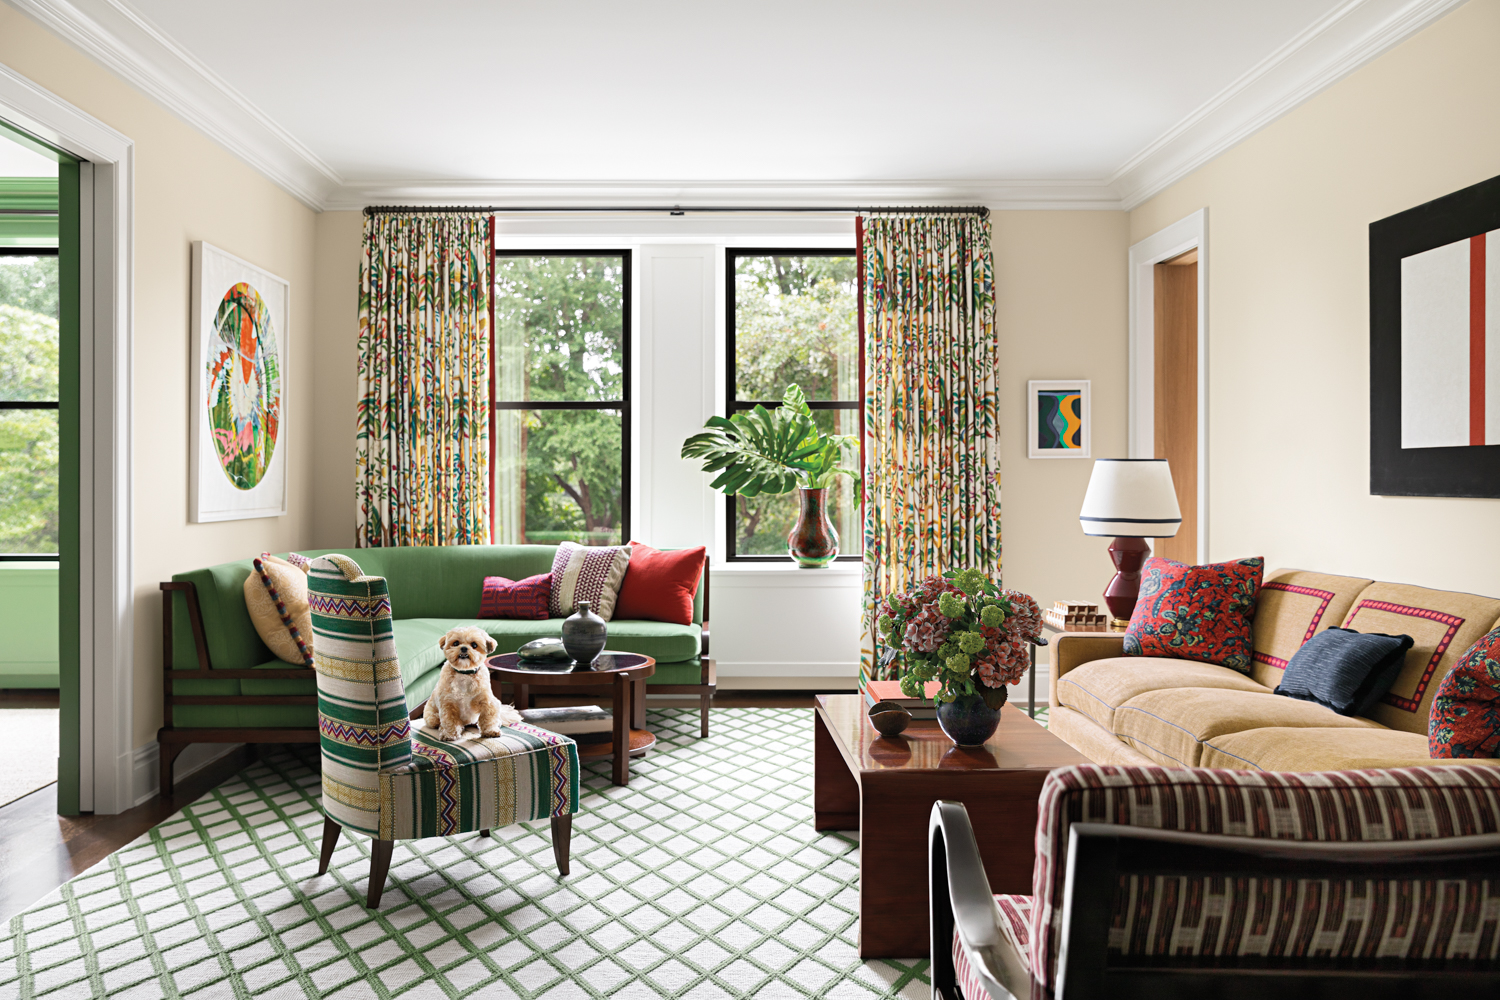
(104, 626)
(1181, 236)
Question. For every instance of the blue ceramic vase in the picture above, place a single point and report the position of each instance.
(967, 720)
(584, 634)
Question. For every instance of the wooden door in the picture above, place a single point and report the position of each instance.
(1176, 421)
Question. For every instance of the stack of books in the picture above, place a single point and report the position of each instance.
(920, 708)
(1076, 616)
(571, 720)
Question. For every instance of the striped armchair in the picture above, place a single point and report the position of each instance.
(391, 781)
(1166, 882)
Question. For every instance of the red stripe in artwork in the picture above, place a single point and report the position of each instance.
(1476, 339)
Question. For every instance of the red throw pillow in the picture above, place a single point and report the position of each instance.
(1196, 612)
(659, 586)
(1465, 718)
(524, 599)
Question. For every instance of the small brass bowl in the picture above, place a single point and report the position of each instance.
(889, 718)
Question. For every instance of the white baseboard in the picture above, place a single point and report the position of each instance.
(743, 669)
(797, 682)
(145, 778)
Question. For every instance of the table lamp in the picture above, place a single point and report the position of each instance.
(1132, 499)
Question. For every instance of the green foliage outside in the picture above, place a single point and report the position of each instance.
(796, 322)
(28, 372)
(559, 337)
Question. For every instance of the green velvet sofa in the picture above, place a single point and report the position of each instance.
(220, 683)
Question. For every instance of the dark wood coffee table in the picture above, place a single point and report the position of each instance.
(884, 786)
(618, 672)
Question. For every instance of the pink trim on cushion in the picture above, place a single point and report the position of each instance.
(1452, 621)
(1326, 595)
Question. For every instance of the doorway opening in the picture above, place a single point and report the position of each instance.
(1175, 396)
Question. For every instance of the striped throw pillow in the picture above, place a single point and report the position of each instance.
(590, 574)
(518, 599)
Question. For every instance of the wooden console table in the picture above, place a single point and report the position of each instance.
(885, 786)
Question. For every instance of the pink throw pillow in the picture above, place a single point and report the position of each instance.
(521, 599)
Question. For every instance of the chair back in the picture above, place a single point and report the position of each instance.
(1302, 914)
(362, 715)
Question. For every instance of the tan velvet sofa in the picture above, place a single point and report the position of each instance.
(1119, 709)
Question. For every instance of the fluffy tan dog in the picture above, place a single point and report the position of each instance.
(462, 696)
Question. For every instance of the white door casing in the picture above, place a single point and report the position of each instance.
(1178, 238)
(105, 308)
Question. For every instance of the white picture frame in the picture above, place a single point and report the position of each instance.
(239, 437)
(1043, 395)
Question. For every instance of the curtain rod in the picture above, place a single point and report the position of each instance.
(978, 210)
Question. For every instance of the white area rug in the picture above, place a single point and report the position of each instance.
(33, 731)
(703, 879)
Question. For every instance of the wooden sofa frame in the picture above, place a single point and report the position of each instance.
(172, 740)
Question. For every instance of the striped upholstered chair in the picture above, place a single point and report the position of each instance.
(392, 781)
(1196, 882)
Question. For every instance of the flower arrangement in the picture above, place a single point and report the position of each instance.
(963, 631)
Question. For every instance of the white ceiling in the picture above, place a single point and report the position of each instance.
(1063, 100)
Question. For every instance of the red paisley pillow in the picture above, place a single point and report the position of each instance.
(1465, 718)
(1196, 612)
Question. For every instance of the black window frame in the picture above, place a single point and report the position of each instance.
(623, 404)
(16, 404)
(735, 405)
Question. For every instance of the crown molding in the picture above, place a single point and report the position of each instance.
(1324, 53)
(137, 50)
(531, 194)
(1330, 49)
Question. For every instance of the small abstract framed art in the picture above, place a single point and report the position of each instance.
(1057, 418)
(1435, 347)
(239, 330)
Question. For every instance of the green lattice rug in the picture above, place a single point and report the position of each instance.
(704, 878)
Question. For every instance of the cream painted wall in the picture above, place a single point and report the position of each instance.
(336, 318)
(186, 188)
(1288, 310)
(1060, 299)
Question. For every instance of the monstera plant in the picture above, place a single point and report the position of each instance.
(771, 452)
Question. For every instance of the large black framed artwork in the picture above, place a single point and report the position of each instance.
(1435, 347)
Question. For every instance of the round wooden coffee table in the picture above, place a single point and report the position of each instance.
(619, 672)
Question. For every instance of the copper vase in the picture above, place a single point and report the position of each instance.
(813, 541)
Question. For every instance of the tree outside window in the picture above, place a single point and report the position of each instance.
(562, 410)
(792, 317)
(28, 402)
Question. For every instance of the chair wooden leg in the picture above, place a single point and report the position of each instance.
(703, 714)
(331, 832)
(166, 754)
(562, 836)
(484, 833)
(380, 864)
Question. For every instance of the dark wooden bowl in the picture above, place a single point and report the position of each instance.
(889, 718)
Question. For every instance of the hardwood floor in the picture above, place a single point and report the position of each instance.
(40, 850)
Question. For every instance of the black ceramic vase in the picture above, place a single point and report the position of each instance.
(967, 720)
(583, 635)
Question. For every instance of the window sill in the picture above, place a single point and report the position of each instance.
(786, 571)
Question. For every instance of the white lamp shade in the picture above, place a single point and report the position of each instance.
(1131, 498)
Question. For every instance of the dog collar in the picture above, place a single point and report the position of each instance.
(466, 673)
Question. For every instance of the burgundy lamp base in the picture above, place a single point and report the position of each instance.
(1129, 555)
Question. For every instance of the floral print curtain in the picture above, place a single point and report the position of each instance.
(422, 444)
(932, 432)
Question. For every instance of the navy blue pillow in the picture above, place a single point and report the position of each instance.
(1345, 670)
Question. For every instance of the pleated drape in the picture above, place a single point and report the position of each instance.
(422, 451)
(932, 433)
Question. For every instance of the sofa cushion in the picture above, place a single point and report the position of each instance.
(1170, 726)
(1314, 748)
(1099, 687)
(1443, 625)
(1292, 607)
(1196, 612)
(662, 641)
